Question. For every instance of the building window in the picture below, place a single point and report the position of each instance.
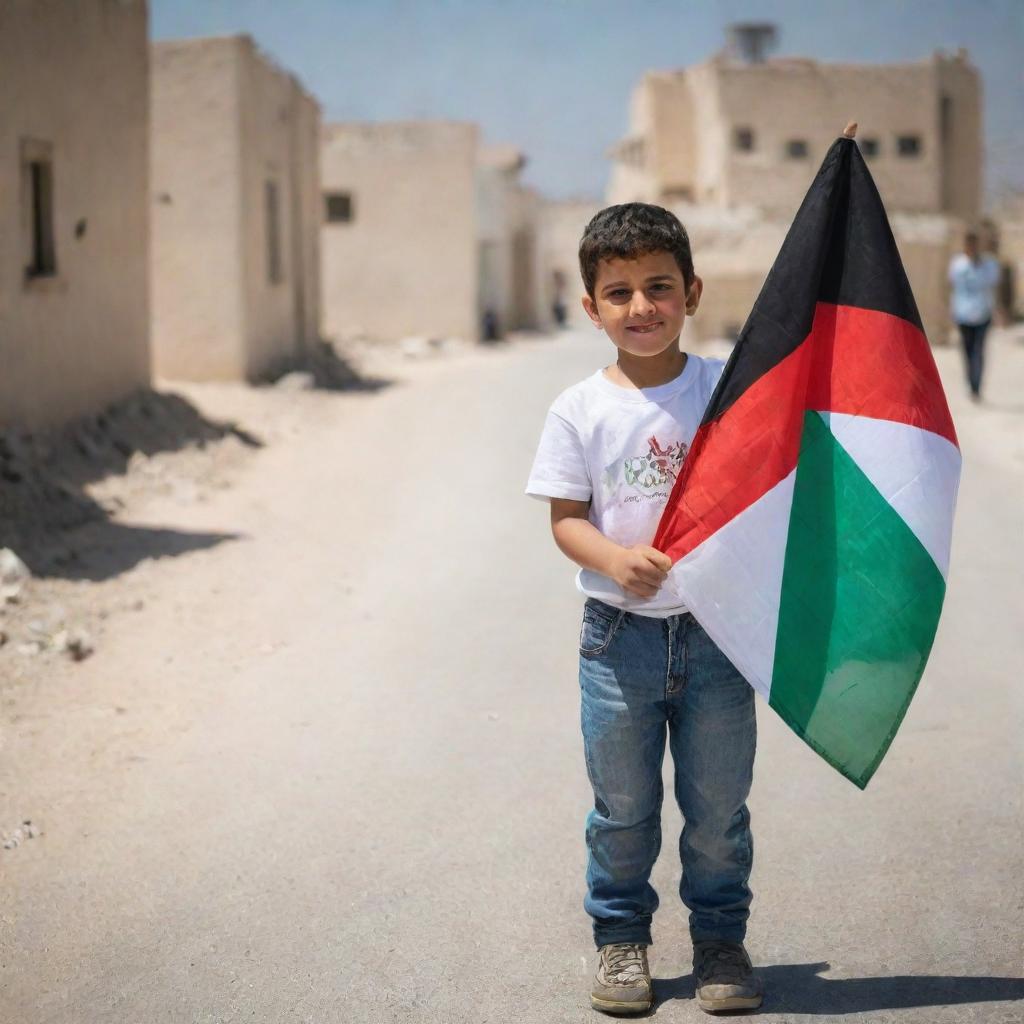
(275, 271)
(908, 145)
(743, 140)
(37, 209)
(869, 147)
(338, 207)
(796, 149)
(677, 194)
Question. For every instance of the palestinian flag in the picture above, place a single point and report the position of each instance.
(809, 528)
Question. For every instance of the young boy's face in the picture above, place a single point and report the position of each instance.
(642, 303)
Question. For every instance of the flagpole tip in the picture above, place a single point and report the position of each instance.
(850, 130)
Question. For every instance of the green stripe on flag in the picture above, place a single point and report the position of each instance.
(858, 610)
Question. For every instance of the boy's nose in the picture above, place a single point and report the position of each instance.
(641, 305)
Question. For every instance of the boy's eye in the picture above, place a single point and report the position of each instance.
(624, 293)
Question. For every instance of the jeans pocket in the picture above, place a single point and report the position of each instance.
(598, 628)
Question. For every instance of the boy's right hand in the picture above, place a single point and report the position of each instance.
(640, 570)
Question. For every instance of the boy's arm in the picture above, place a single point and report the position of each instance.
(640, 569)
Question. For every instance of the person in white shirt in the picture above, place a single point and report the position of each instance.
(611, 449)
(973, 278)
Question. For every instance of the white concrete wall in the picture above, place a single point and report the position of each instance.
(199, 318)
(307, 215)
(507, 233)
(494, 185)
(226, 120)
(407, 263)
(271, 152)
(526, 306)
(74, 75)
(561, 227)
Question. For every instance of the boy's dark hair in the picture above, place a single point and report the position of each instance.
(629, 231)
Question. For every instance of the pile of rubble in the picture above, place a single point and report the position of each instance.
(57, 485)
(328, 366)
(46, 476)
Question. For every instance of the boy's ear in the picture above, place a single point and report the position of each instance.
(591, 307)
(693, 295)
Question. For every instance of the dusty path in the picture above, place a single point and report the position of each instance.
(332, 772)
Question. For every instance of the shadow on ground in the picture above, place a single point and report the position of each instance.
(798, 988)
(105, 549)
(44, 479)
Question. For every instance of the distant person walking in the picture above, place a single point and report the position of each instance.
(973, 278)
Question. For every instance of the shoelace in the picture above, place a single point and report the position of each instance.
(624, 963)
(717, 960)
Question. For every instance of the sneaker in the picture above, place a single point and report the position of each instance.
(724, 977)
(623, 980)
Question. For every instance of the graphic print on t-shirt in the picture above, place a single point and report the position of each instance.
(652, 474)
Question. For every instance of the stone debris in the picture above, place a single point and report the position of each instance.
(12, 568)
(414, 347)
(296, 380)
(13, 573)
(75, 643)
(16, 836)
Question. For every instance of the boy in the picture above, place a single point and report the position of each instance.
(609, 453)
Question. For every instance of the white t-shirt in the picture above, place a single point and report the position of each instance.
(970, 298)
(621, 449)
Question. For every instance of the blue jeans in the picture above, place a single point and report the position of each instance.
(639, 675)
(972, 336)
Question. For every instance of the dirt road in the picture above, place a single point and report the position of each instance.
(329, 769)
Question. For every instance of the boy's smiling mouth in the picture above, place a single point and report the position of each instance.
(645, 328)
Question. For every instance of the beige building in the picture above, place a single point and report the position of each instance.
(235, 206)
(733, 133)
(74, 317)
(1007, 234)
(731, 145)
(560, 227)
(399, 230)
(510, 283)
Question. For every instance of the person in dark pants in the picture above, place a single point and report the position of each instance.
(973, 278)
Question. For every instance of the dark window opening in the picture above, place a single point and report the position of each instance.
(869, 147)
(743, 139)
(796, 149)
(338, 207)
(275, 271)
(43, 253)
(908, 145)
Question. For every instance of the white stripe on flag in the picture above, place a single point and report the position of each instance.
(916, 471)
(733, 580)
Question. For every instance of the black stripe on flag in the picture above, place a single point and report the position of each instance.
(839, 249)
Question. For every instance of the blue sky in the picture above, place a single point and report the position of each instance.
(553, 77)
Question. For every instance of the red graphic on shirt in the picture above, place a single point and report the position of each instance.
(658, 468)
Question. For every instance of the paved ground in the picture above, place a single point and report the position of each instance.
(332, 772)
